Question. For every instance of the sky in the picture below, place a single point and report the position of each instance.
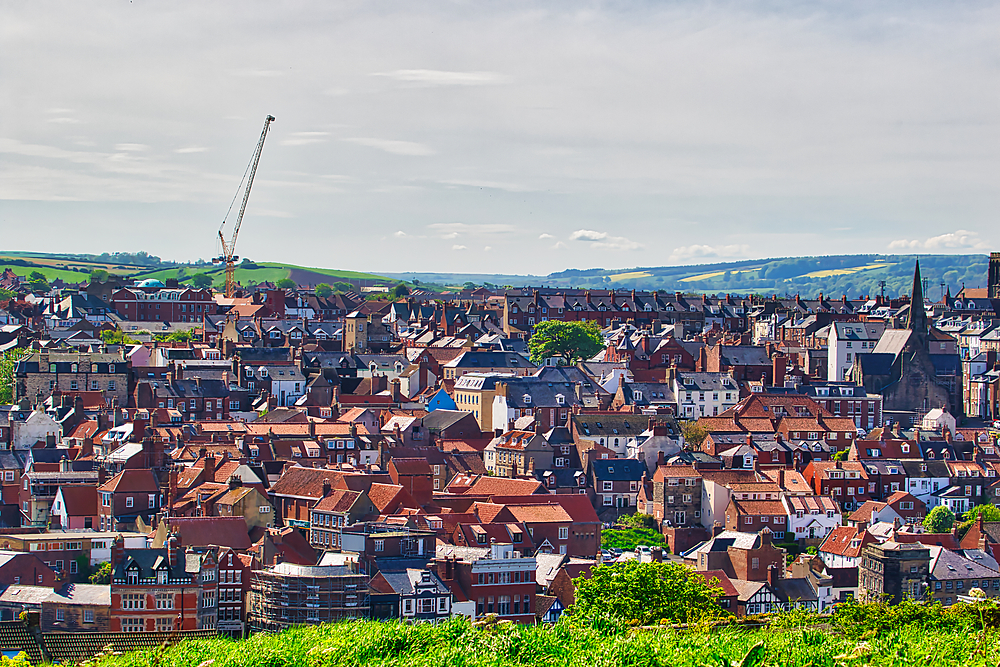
(501, 137)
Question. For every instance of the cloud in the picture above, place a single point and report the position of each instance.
(604, 240)
(305, 138)
(191, 149)
(392, 146)
(434, 77)
(491, 185)
(545, 236)
(487, 248)
(961, 239)
(400, 234)
(451, 230)
(458, 247)
(64, 121)
(686, 253)
(131, 148)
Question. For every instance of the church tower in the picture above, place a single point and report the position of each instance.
(916, 320)
(993, 276)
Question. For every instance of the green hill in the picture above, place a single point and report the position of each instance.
(833, 275)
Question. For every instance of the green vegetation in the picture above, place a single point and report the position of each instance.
(987, 512)
(117, 337)
(633, 531)
(400, 291)
(37, 282)
(286, 283)
(939, 520)
(201, 280)
(694, 433)
(645, 594)
(7, 364)
(98, 276)
(569, 341)
(183, 336)
(323, 290)
(863, 635)
(102, 575)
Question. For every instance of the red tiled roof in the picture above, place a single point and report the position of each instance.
(80, 500)
(535, 513)
(486, 485)
(759, 507)
(339, 500)
(724, 583)
(410, 466)
(132, 481)
(223, 531)
(840, 539)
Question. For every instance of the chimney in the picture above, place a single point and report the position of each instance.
(394, 390)
(210, 467)
(327, 488)
(172, 549)
(235, 482)
(717, 529)
(172, 482)
(64, 464)
(117, 551)
(772, 575)
(660, 460)
(779, 367)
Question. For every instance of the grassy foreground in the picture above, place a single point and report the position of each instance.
(459, 643)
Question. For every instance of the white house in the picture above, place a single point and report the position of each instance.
(701, 394)
(938, 420)
(811, 517)
(846, 341)
(34, 427)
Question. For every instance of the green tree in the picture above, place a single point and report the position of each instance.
(102, 575)
(182, 336)
(400, 290)
(286, 283)
(694, 433)
(323, 290)
(840, 455)
(8, 362)
(645, 593)
(569, 341)
(37, 282)
(342, 287)
(939, 520)
(988, 512)
(98, 276)
(201, 281)
(117, 337)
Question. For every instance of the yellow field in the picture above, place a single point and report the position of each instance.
(716, 274)
(59, 263)
(631, 275)
(846, 272)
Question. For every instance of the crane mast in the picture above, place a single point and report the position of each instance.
(229, 257)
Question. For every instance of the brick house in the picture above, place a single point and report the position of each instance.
(338, 509)
(496, 578)
(752, 516)
(845, 481)
(517, 454)
(162, 590)
(616, 482)
(157, 303)
(676, 499)
(130, 494)
(77, 608)
(745, 556)
(43, 373)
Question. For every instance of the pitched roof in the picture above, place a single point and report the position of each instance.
(223, 531)
(132, 481)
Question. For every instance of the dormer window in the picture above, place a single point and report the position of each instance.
(162, 576)
(132, 577)
(527, 399)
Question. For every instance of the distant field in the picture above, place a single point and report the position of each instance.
(715, 274)
(49, 272)
(631, 275)
(847, 272)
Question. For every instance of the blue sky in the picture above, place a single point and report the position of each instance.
(502, 137)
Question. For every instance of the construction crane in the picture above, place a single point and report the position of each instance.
(228, 256)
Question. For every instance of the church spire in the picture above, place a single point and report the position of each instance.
(916, 320)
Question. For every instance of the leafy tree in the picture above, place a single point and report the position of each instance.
(939, 520)
(7, 295)
(400, 290)
(102, 575)
(183, 336)
(469, 285)
(201, 281)
(342, 287)
(286, 283)
(117, 337)
(988, 512)
(840, 455)
(694, 433)
(569, 341)
(98, 276)
(645, 593)
(323, 290)
(37, 282)
(8, 362)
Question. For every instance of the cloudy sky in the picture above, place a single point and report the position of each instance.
(501, 136)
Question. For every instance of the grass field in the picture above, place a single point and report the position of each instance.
(459, 644)
(846, 272)
(715, 274)
(631, 275)
(272, 272)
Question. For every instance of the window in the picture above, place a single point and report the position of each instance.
(132, 625)
(165, 625)
(73, 567)
(503, 607)
(563, 533)
(164, 600)
(161, 578)
(129, 501)
(152, 500)
(208, 599)
(133, 600)
(425, 606)
(607, 486)
(88, 615)
(60, 615)
(755, 563)
(132, 577)
(379, 545)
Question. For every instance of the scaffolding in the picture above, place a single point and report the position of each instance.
(289, 595)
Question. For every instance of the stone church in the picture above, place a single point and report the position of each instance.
(903, 369)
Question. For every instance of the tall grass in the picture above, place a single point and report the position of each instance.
(460, 644)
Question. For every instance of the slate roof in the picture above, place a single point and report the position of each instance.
(618, 469)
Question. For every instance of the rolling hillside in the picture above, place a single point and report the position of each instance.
(833, 275)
